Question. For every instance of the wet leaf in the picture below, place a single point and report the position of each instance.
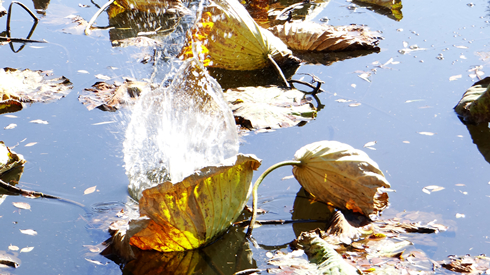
(22, 205)
(225, 36)
(194, 212)
(342, 176)
(111, 97)
(474, 106)
(310, 36)
(270, 107)
(27, 249)
(32, 86)
(28, 232)
(90, 190)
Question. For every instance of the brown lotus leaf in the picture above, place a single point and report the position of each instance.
(344, 177)
(310, 36)
(111, 97)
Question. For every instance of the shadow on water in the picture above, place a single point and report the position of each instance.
(480, 134)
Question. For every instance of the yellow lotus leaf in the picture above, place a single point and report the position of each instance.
(225, 36)
(195, 211)
(337, 174)
(310, 36)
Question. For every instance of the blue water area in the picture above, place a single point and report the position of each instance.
(413, 94)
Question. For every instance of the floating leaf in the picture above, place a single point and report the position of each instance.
(90, 190)
(111, 97)
(455, 77)
(27, 249)
(269, 107)
(225, 36)
(22, 205)
(474, 107)
(32, 86)
(13, 247)
(28, 232)
(370, 144)
(310, 36)
(192, 213)
(30, 144)
(342, 176)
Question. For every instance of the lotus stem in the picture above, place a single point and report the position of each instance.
(256, 187)
(279, 71)
(92, 20)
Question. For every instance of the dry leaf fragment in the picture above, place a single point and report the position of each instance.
(354, 104)
(95, 262)
(310, 36)
(22, 205)
(103, 77)
(432, 188)
(455, 77)
(426, 133)
(459, 215)
(27, 249)
(90, 190)
(39, 121)
(83, 71)
(370, 144)
(10, 126)
(28, 232)
(13, 247)
(30, 144)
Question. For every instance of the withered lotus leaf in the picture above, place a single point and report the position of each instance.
(474, 106)
(337, 174)
(310, 36)
(225, 36)
(195, 211)
(9, 159)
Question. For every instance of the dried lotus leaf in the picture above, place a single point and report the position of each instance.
(309, 36)
(195, 211)
(344, 177)
(226, 37)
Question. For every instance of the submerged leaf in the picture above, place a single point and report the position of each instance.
(225, 36)
(474, 107)
(309, 36)
(269, 107)
(342, 176)
(192, 213)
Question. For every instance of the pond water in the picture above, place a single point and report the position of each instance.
(413, 94)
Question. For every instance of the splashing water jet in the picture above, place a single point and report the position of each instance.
(176, 130)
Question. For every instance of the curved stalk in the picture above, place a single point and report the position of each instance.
(279, 71)
(256, 187)
(92, 20)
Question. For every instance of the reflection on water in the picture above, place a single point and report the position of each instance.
(480, 134)
(228, 255)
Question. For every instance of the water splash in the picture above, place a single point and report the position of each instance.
(176, 130)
